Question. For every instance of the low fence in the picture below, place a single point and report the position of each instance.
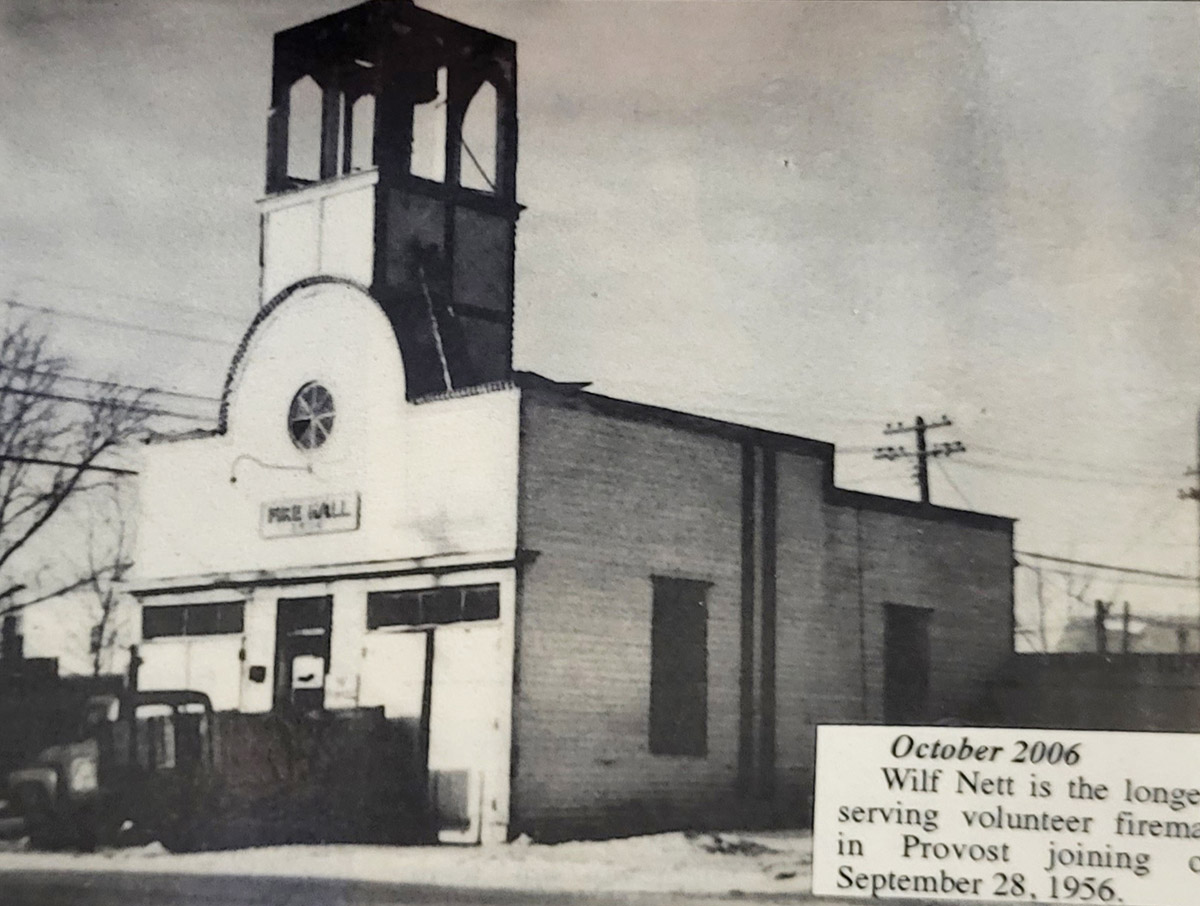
(1091, 691)
(337, 776)
(329, 777)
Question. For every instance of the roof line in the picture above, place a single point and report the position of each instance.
(777, 440)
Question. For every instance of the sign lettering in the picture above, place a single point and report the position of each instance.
(310, 515)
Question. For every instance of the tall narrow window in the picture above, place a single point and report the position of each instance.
(906, 664)
(304, 132)
(429, 134)
(360, 136)
(679, 667)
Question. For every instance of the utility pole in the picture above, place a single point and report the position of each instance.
(1103, 611)
(1041, 613)
(1101, 623)
(923, 451)
(1193, 493)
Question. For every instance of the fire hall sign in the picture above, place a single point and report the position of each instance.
(309, 515)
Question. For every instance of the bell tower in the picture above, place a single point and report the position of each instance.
(391, 162)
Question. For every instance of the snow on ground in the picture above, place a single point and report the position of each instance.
(758, 863)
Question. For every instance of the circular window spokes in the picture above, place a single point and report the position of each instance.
(310, 417)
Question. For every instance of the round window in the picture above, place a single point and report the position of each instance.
(310, 417)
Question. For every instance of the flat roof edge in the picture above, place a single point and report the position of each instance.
(901, 506)
(765, 437)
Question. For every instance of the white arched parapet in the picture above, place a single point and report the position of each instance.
(411, 481)
(327, 331)
(204, 500)
(331, 335)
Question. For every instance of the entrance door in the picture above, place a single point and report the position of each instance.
(906, 659)
(302, 652)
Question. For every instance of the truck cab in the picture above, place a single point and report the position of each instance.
(140, 762)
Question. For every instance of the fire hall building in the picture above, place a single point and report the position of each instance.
(610, 617)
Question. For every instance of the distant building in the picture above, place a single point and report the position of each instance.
(1138, 635)
(609, 617)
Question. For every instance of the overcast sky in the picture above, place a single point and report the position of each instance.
(815, 217)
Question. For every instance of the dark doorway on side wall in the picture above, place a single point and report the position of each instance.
(906, 662)
(302, 653)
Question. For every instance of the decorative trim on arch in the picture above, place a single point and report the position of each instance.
(264, 313)
(460, 392)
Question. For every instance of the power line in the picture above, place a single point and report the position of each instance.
(1062, 476)
(116, 385)
(1193, 492)
(1182, 586)
(957, 490)
(869, 449)
(133, 407)
(1034, 473)
(777, 409)
(1111, 567)
(1038, 456)
(123, 325)
(37, 461)
(1154, 479)
(923, 453)
(1062, 576)
(1140, 538)
(103, 292)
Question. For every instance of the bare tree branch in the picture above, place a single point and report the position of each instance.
(52, 447)
(61, 590)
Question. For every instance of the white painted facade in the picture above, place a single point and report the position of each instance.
(436, 490)
(328, 228)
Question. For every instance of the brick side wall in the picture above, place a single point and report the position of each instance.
(607, 503)
(964, 575)
(816, 630)
(831, 617)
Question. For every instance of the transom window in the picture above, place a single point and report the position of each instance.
(160, 621)
(310, 417)
(448, 604)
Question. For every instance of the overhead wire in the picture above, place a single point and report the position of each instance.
(1122, 469)
(1165, 584)
(1141, 537)
(953, 484)
(97, 291)
(135, 407)
(58, 463)
(116, 385)
(1062, 476)
(1158, 480)
(122, 325)
(1081, 594)
(1110, 567)
(778, 408)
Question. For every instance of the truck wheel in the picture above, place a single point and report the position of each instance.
(45, 832)
(87, 832)
(180, 837)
